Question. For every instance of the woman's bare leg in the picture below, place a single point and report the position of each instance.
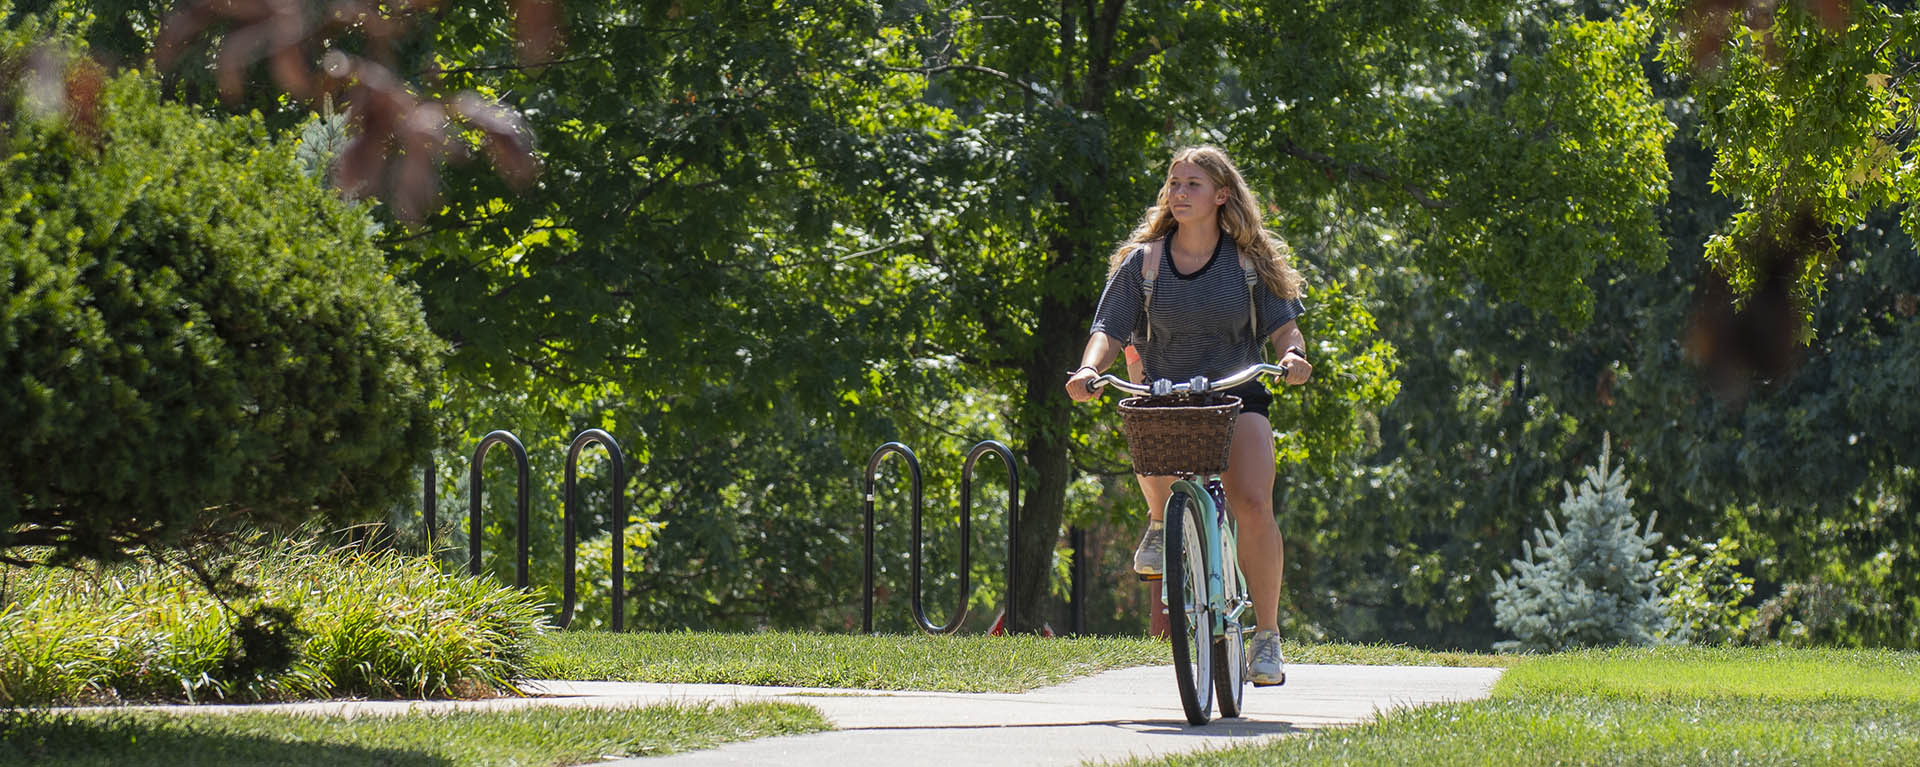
(1249, 483)
(1157, 490)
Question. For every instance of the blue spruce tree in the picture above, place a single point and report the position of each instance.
(1591, 583)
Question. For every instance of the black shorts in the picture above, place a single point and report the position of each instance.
(1254, 397)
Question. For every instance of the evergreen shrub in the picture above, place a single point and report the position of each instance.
(192, 331)
(1591, 582)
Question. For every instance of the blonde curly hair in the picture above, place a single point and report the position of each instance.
(1239, 216)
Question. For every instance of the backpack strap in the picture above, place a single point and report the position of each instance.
(1253, 302)
(1149, 269)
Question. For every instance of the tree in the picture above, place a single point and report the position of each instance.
(852, 211)
(1807, 473)
(1591, 584)
(1380, 108)
(761, 225)
(197, 335)
(1806, 107)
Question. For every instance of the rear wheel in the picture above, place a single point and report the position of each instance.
(1189, 621)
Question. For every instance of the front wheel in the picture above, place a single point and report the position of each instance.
(1189, 620)
(1230, 649)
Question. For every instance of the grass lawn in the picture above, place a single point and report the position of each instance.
(1633, 707)
(545, 736)
(911, 662)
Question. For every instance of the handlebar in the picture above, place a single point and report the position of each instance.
(1198, 384)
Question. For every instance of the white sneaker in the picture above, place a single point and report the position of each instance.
(1149, 560)
(1268, 667)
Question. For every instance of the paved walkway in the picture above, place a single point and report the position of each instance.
(1109, 716)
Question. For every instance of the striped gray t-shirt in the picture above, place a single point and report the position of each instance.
(1199, 319)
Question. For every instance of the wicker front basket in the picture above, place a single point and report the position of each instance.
(1175, 436)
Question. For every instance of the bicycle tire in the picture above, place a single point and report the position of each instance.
(1189, 618)
(1230, 649)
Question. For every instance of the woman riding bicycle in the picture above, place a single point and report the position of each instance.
(1200, 231)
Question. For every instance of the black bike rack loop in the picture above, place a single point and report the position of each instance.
(617, 525)
(474, 527)
(873, 470)
(1013, 517)
(966, 558)
(966, 528)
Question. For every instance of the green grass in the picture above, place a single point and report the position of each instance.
(957, 664)
(1389, 655)
(1728, 706)
(1706, 674)
(542, 736)
(954, 664)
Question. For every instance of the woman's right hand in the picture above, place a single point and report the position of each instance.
(1079, 387)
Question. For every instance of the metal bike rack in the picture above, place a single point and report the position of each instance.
(617, 526)
(966, 528)
(474, 527)
(873, 470)
(1013, 516)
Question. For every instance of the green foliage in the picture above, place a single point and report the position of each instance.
(1811, 473)
(340, 622)
(194, 332)
(1706, 595)
(1815, 613)
(843, 223)
(1563, 155)
(1592, 584)
(1803, 120)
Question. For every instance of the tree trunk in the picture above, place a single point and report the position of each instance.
(1046, 418)
(1046, 428)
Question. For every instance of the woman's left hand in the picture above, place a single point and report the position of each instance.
(1298, 368)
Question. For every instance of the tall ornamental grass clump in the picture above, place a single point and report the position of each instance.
(339, 622)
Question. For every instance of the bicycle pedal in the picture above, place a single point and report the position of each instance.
(1146, 578)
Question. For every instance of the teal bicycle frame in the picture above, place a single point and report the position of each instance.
(1222, 541)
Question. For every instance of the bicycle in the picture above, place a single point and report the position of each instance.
(1202, 558)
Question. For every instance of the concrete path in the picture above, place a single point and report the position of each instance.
(1109, 716)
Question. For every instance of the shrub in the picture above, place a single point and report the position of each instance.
(1814, 613)
(343, 622)
(1705, 593)
(1592, 584)
(192, 330)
